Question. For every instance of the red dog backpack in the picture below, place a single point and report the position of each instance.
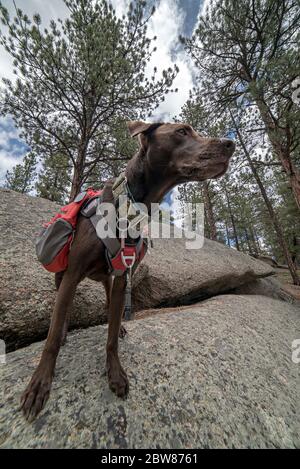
(54, 241)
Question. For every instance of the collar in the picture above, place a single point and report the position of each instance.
(121, 188)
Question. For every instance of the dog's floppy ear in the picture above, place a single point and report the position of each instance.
(142, 130)
(139, 127)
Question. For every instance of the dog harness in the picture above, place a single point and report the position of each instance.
(123, 256)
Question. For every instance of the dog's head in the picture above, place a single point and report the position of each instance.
(177, 151)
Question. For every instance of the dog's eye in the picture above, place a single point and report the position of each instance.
(182, 131)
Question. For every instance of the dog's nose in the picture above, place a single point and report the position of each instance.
(229, 145)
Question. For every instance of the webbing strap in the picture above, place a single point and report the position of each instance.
(112, 244)
(120, 186)
(127, 299)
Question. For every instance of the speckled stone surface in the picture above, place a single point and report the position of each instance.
(218, 374)
(267, 287)
(169, 276)
(27, 291)
(174, 275)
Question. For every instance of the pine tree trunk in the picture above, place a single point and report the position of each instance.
(227, 233)
(276, 137)
(78, 173)
(209, 212)
(272, 213)
(76, 185)
(206, 226)
(254, 241)
(237, 245)
(248, 241)
(257, 242)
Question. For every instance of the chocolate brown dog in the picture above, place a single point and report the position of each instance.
(169, 154)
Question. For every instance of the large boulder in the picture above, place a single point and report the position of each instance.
(27, 290)
(169, 276)
(216, 374)
(271, 287)
(173, 275)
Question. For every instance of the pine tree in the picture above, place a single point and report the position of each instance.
(117, 152)
(272, 212)
(247, 209)
(21, 178)
(253, 52)
(204, 122)
(54, 179)
(78, 75)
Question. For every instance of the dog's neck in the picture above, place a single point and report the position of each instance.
(146, 185)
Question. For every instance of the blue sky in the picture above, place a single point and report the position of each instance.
(172, 18)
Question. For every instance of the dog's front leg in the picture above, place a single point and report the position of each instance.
(117, 378)
(38, 390)
(108, 288)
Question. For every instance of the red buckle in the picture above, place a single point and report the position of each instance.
(128, 256)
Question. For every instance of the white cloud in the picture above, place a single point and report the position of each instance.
(166, 24)
(7, 130)
(12, 148)
(120, 6)
(7, 162)
(48, 10)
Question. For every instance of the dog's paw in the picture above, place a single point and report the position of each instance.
(36, 395)
(122, 332)
(118, 381)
